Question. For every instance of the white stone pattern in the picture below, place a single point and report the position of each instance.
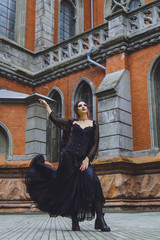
(75, 48)
(144, 19)
(117, 5)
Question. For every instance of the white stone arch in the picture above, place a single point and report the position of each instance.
(52, 150)
(86, 80)
(151, 82)
(52, 90)
(79, 15)
(109, 9)
(9, 139)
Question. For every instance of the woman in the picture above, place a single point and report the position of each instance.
(73, 190)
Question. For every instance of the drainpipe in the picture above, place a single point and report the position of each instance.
(88, 53)
(91, 13)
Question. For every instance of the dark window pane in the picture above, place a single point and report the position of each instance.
(67, 21)
(3, 144)
(3, 22)
(134, 4)
(53, 132)
(84, 93)
(4, 2)
(10, 35)
(2, 31)
(7, 18)
(3, 11)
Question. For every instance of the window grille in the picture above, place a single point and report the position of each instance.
(67, 20)
(84, 92)
(7, 18)
(55, 136)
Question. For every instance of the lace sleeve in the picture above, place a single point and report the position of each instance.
(62, 123)
(94, 148)
(65, 125)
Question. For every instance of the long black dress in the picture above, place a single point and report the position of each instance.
(67, 191)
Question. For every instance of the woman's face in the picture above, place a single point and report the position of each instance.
(82, 108)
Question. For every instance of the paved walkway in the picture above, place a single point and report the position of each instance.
(128, 226)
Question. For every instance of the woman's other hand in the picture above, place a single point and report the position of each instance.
(84, 164)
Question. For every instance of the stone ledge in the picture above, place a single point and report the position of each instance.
(132, 166)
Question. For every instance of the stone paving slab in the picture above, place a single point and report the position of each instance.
(124, 226)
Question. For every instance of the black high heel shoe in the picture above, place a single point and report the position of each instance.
(101, 224)
(75, 224)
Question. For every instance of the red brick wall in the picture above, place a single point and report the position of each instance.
(148, 1)
(98, 12)
(30, 25)
(68, 84)
(14, 117)
(138, 64)
(14, 86)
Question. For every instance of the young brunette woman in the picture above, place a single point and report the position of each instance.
(73, 190)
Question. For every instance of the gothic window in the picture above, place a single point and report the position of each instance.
(67, 20)
(158, 104)
(7, 18)
(134, 4)
(84, 93)
(112, 6)
(53, 132)
(3, 143)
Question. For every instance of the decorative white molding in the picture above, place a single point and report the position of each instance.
(9, 139)
(87, 81)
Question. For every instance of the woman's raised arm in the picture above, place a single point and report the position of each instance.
(59, 122)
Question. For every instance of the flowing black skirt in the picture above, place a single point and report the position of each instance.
(66, 191)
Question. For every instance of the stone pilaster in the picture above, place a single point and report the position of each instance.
(20, 24)
(36, 130)
(44, 24)
(114, 112)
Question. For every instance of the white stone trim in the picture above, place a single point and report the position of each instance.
(152, 101)
(86, 80)
(61, 95)
(9, 139)
(108, 7)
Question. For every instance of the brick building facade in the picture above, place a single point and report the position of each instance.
(107, 52)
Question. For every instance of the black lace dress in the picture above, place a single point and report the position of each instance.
(67, 191)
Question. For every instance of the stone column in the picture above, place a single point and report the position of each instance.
(117, 24)
(20, 22)
(114, 112)
(36, 130)
(44, 24)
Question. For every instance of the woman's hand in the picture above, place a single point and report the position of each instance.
(84, 164)
(43, 102)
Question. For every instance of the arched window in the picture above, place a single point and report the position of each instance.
(112, 6)
(53, 132)
(154, 102)
(157, 100)
(6, 142)
(84, 92)
(134, 4)
(3, 144)
(7, 18)
(67, 20)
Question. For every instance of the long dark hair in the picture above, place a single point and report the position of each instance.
(76, 109)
